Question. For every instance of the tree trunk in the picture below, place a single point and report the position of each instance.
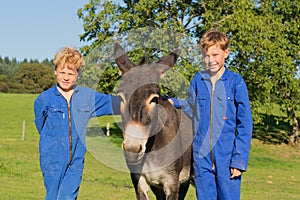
(294, 132)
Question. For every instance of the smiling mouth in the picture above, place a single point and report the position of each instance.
(212, 64)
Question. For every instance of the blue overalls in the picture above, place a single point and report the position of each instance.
(62, 128)
(223, 130)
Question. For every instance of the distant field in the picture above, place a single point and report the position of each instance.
(273, 171)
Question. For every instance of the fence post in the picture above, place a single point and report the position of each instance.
(23, 130)
(107, 129)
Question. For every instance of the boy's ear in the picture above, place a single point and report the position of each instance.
(227, 52)
(79, 72)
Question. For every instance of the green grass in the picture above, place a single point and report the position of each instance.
(273, 171)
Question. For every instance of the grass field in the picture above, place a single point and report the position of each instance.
(273, 171)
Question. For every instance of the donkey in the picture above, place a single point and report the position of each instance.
(157, 136)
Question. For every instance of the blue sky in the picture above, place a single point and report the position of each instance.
(37, 29)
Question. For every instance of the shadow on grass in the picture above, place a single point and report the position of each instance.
(271, 131)
(114, 130)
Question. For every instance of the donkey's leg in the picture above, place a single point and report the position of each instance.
(141, 186)
(159, 193)
(184, 187)
(171, 187)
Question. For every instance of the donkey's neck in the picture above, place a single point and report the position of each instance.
(168, 129)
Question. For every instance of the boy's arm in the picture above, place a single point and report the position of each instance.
(242, 142)
(106, 104)
(189, 105)
(39, 112)
(116, 103)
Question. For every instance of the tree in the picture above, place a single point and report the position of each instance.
(267, 53)
(287, 87)
(48, 63)
(265, 43)
(144, 20)
(103, 19)
(8, 67)
(263, 36)
(34, 78)
(110, 75)
(3, 84)
(264, 39)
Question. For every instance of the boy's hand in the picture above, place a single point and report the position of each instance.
(235, 172)
(171, 101)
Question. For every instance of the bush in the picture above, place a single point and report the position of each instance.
(34, 78)
(4, 87)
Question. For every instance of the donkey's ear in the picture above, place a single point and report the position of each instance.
(166, 62)
(122, 60)
(170, 59)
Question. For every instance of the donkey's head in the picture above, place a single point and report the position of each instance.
(141, 109)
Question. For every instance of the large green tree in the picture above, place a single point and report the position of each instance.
(264, 39)
(137, 22)
(34, 78)
(288, 88)
(103, 19)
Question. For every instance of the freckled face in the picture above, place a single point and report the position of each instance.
(215, 57)
(66, 78)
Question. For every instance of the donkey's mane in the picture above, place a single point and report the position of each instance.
(144, 60)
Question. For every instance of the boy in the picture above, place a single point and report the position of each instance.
(219, 104)
(61, 117)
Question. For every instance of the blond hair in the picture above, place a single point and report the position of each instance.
(68, 57)
(214, 37)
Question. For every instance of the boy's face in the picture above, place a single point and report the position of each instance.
(66, 78)
(215, 57)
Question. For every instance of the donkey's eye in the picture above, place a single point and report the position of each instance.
(154, 100)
